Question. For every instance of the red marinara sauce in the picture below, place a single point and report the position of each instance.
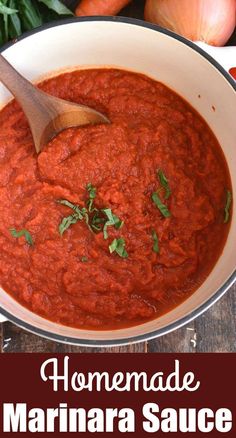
(72, 278)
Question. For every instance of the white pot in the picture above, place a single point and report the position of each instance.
(145, 48)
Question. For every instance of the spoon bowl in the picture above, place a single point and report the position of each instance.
(47, 115)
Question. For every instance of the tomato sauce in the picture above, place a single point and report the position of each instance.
(73, 278)
(233, 72)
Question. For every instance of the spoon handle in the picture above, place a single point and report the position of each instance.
(28, 96)
(16, 84)
(32, 100)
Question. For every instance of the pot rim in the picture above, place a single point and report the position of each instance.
(220, 292)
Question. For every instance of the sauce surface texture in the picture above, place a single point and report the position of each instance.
(72, 278)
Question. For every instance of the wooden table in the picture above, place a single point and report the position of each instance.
(215, 331)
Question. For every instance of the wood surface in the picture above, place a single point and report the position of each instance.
(214, 331)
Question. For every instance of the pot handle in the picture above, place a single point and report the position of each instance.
(226, 56)
(2, 318)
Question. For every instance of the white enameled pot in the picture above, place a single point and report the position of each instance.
(184, 67)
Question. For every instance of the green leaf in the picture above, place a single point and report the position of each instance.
(67, 222)
(92, 195)
(164, 182)
(93, 217)
(73, 218)
(86, 217)
(155, 242)
(2, 34)
(118, 246)
(21, 233)
(92, 191)
(17, 16)
(5, 21)
(227, 206)
(29, 14)
(14, 22)
(113, 220)
(84, 259)
(162, 207)
(6, 10)
(57, 6)
(97, 221)
(73, 207)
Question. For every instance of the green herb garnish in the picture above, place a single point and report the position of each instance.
(155, 242)
(73, 218)
(227, 206)
(21, 233)
(164, 182)
(96, 219)
(162, 207)
(84, 259)
(92, 195)
(67, 222)
(118, 246)
(74, 207)
(113, 220)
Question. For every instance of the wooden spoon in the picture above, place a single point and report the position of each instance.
(47, 115)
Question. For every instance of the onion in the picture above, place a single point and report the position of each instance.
(211, 21)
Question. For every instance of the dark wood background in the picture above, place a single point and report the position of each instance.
(214, 331)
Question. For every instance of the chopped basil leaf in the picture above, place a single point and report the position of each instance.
(21, 233)
(74, 207)
(68, 221)
(113, 220)
(92, 195)
(84, 259)
(164, 182)
(118, 246)
(97, 222)
(73, 218)
(155, 242)
(227, 206)
(93, 217)
(92, 191)
(162, 207)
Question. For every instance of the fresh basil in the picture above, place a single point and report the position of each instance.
(118, 246)
(73, 218)
(16, 16)
(84, 259)
(92, 195)
(29, 14)
(15, 28)
(68, 221)
(227, 206)
(74, 207)
(164, 182)
(155, 242)
(113, 220)
(162, 207)
(21, 233)
(56, 6)
(96, 219)
(6, 10)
